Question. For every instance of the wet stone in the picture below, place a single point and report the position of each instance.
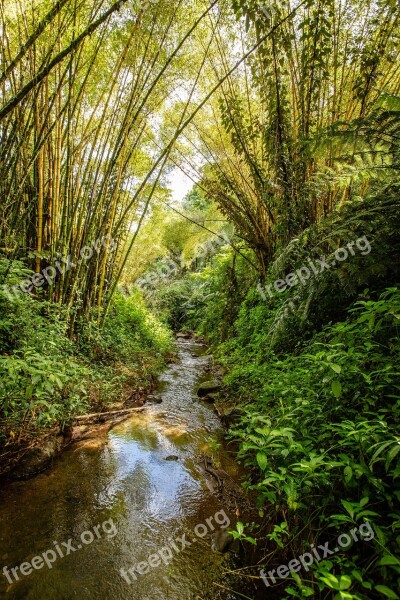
(207, 388)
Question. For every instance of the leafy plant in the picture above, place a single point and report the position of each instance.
(315, 451)
(239, 534)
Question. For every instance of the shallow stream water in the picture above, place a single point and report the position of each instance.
(142, 486)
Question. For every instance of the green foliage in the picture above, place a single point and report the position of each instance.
(25, 322)
(42, 382)
(195, 200)
(286, 319)
(321, 432)
(171, 244)
(279, 534)
(39, 389)
(131, 331)
(47, 379)
(208, 300)
(239, 534)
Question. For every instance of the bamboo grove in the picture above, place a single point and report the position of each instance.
(80, 86)
(99, 100)
(322, 72)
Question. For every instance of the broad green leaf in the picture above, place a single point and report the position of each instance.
(307, 591)
(240, 527)
(337, 389)
(348, 474)
(389, 560)
(262, 460)
(348, 507)
(251, 540)
(387, 592)
(393, 452)
(344, 582)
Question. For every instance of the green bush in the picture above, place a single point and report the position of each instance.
(42, 382)
(47, 378)
(39, 390)
(130, 332)
(320, 433)
(208, 300)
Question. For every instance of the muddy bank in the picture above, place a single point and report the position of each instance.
(24, 460)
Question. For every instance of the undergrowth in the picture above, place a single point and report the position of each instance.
(313, 372)
(319, 432)
(48, 377)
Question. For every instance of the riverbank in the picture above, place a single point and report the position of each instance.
(51, 380)
(318, 434)
(33, 456)
(154, 475)
(35, 451)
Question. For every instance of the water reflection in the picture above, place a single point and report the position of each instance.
(125, 477)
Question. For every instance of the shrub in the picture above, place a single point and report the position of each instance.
(320, 432)
(47, 378)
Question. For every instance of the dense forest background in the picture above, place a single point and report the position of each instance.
(284, 255)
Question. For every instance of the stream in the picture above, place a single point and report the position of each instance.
(142, 486)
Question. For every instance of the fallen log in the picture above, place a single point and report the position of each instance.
(110, 413)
